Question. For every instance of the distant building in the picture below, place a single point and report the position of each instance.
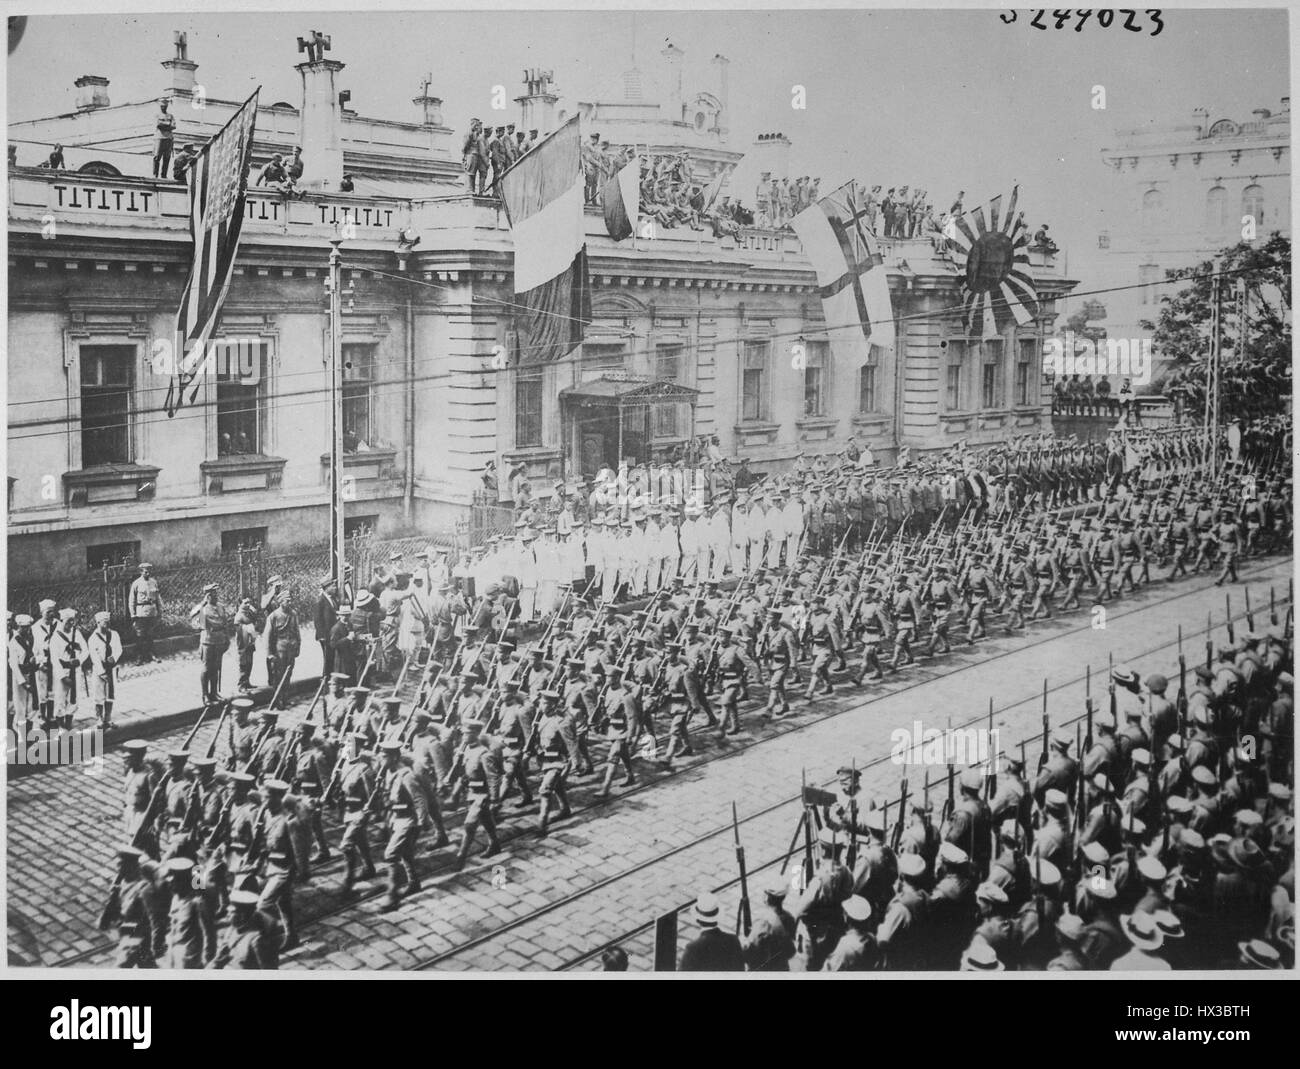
(1184, 192)
(691, 334)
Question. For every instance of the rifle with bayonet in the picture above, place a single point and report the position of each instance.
(744, 920)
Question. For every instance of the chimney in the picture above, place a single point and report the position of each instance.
(322, 148)
(537, 104)
(673, 58)
(772, 153)
(181, 66)
(92, 92)
(721, 63)
(430, 106)
(1201, 117)
(1286, 104)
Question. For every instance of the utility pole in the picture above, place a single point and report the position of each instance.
(338, 544)
(1212, 370)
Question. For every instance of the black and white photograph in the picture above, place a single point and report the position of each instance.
(545, 492)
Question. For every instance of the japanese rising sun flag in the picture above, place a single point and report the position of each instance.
(217, 178)
(543, 196)
(850, 273)
(994, 253)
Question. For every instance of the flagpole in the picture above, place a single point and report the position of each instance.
(338, 545)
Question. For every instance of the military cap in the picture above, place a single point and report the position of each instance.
(359, 692)
(276, 786)
(393, 746)
(952, 855)
(1279, 792)
(1248, 818)
(1204, 777)
(1151, 869)
(553, 695)
(270, 715)
(1141, 758)
(1096, 853)
(129, 853)
(857, 909)
(203, 761)
(135, 746)
(339, 677)
(208, 588)
(23, 620)
(178, 866)
(911, 866)
(305, 726)
(244, 778)
(1203, 674)
(1055, 799)
(1156, 683)
(1178, 805)
(1175, 742)
(1101, 888)
(244, 898)
(971, 779)
(178, 756)
(774, 885)
(1044, 873)
(68, 614)
(991, 894)
(471, 724)
(1062, 741)
(391, 701)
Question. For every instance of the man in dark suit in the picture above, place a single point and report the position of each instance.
(712, 950)
(326, 616)
(500, 156)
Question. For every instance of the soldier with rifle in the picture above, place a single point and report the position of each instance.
(547, 740)
(818, 910)
(407, 814)
(356, 782)
(622, 716)
(768, 945)
(131, 910)
(311, 769)
(473, 762)
(275, 850)
(776, 646)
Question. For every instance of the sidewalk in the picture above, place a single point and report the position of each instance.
(157, 697)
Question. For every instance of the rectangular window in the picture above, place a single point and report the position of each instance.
(867, 388)
(1025, 371)
(242, 538)
(991, 377)
(528, 409)
(1148, 276)
(358, 396)
(601, 359)
(668, 368)
(241, 406)
(952, 398)
(357, 525)
(111, 553)
(107, 380)
(814, 379)
(753, 383)
(989, 399)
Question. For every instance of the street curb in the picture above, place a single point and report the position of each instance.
(149, 727)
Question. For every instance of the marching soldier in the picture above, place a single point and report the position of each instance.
(191, 928)
(769, 945)
(901, 935)
(731, 671)
(356, 787)
(274, 836)
(476, 757)
(550, 743)
(623, 716)
(252, 940)
(312, 770)
(134, 908)
(407, 815)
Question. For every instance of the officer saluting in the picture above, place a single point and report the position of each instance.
(214, 624)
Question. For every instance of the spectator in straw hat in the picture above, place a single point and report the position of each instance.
(712, 950)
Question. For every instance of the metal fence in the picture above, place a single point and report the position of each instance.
(243, 573)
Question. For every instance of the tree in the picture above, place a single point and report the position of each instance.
(1078, 323)
(1255, 376)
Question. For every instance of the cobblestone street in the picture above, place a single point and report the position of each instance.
(604, 875)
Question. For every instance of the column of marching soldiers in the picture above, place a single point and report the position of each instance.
(492, 719)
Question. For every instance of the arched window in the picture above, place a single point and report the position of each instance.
(1153, 202)
(99, 169)
(1252, 203)
(1216, 209)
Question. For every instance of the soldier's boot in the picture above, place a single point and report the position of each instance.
(544, 817)
(435, 812)
(291, 940)
(99, 717)
(318, 830)
(603, 793)
(563, 796)
(395, 878)
(735, 720)
(841, 665)
(349, 870)
(368, 871)
(466, 843)
(627, 764)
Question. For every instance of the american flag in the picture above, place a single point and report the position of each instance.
(216, 180)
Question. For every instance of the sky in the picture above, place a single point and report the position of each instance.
(947, 100)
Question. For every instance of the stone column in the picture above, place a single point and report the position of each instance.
(322, 147)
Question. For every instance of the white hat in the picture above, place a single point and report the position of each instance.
(706, 911)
